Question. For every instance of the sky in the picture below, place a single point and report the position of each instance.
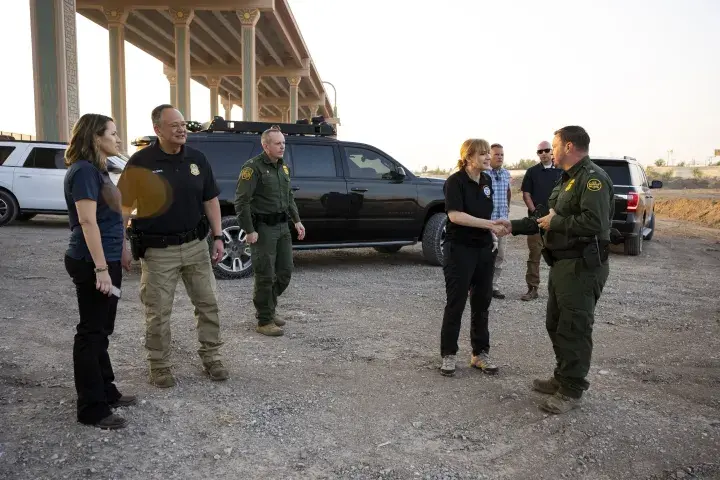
(415, 79)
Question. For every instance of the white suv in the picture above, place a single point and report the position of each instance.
(32, 176)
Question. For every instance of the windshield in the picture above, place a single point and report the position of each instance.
(619, 171)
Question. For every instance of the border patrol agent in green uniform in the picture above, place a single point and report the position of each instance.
(576, 237)
(263, 203)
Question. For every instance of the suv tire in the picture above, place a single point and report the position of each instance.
(433, 236)
(238, 262)
(8, 207)
(633, 245)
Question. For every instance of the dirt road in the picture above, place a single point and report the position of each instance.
(353, 390)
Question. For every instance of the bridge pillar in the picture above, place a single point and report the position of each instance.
(248, 20)
(182, 17)
(214, 85)
(54, 54)
(118, 98)
(294, 84)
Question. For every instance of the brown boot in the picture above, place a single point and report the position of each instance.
(162, 378)
(559, 404)
(271, 330)
(216, 370)
(279, 320)
(531, 294)
(549, 386)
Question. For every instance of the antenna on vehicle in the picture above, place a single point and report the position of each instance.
(219, 124)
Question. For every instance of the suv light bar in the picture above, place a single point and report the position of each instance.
(320, 129)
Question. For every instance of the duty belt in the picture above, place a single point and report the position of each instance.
(270, 218)
(149, 240)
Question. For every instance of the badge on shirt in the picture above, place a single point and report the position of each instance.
(570, 184)
(486, 190)
(286, 170)
(194, 169)
(246, 173)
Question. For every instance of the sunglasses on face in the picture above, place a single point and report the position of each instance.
(544, 150)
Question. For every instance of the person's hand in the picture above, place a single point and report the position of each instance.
(498, 230)
(126, 259)
(506, 226)
(103, 282)
(251, 238)
(218, 251)
(300, 230)
(544, 222)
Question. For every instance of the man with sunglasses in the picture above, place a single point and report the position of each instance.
(536, 186)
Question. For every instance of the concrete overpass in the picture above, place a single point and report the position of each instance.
(249, 52)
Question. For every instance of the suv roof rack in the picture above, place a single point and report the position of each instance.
(303, 127)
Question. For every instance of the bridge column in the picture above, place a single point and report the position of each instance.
(172, 80)
(314, 110)
(214, 84)
(228, 104)
(248, 19)
(182, 17)
(118, 98)
(54, 55)
(285, 114)
(294, 84)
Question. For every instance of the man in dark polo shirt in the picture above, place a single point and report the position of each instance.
(175, 193)
(536, 186)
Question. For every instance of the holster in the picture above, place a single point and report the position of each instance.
(136, 248)
(547, 255)
(596, 253)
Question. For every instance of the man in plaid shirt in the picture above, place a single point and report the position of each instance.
(501, 207)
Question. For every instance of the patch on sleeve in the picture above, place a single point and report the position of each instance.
(246, 173)
(287, 170)
(594, 185)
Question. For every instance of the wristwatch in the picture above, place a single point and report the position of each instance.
(101, 269)
(218, 237)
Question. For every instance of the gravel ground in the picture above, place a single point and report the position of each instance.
(353, 391)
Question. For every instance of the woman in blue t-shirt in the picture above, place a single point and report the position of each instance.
(93, 260)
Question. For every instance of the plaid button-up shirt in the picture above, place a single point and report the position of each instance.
(501, 183)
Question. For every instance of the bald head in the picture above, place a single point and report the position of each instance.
(544, 151)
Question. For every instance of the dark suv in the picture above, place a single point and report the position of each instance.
(634, 202)
(348, 194)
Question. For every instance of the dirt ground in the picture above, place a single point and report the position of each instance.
(353, 389)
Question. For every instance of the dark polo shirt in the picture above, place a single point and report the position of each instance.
(539, 182)
(169, 189)
(476, 199)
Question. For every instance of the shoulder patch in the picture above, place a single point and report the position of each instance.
(286, 170)
(594, 185)
(246, 173)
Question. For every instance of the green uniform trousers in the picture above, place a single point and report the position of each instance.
(161, 270)
(272, 267)
(574, 290)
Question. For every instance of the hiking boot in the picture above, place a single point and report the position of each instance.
(497, 294)
(482, 361)
(162, 377)
(279, 320)
(111, 422)
(560, 403)
(124, 401)
(448, 366)
(549, 386)
(531, 294)
(271, 330)
(216, 370)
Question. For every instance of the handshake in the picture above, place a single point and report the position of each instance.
(542, 216)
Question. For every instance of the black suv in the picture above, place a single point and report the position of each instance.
(634, 202)
(348, 194)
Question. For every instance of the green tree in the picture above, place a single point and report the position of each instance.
(660, 162)
(697, 173)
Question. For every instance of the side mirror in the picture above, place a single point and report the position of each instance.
(401, 172)
(656, 184)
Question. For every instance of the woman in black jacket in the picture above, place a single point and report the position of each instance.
(93, 260)
(469, 256)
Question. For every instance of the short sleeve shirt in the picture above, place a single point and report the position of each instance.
(84, 181)
(169, 190)
(539, 181)
(500, 185)
(463, 194)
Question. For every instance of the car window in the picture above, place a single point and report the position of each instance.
(47, 158)
(364, 163)
(641, 178)
(5, 153)
(313, 160)
(226, 158)
(619, 172)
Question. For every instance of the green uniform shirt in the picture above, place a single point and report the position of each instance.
(584, 205)
(263, 187)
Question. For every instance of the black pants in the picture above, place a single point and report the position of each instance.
(91, 363)
(467, 268)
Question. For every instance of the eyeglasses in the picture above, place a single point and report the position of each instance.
(544, 150)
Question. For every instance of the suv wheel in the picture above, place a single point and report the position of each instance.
(8, 208)
(433, 237)
(237, 262)
(633, 245)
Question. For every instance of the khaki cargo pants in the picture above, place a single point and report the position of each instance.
(161, 269)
